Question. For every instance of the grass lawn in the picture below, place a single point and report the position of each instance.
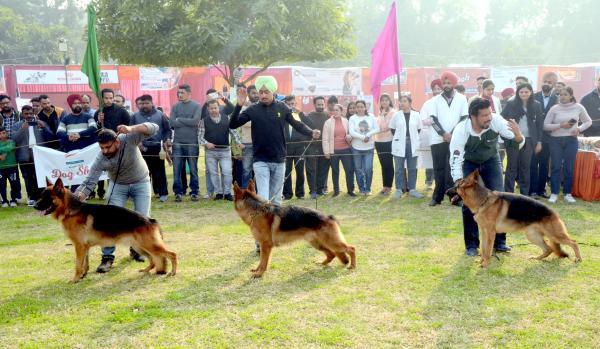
(414, 287)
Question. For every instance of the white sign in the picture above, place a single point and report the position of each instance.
(158, 78)
(504, 77)
(57, 77)
(326, 82)
(72, 167)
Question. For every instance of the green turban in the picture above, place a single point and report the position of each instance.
(267, 82)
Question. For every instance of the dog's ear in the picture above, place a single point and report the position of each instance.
(48, 183)
(251, 186)
(237, 191)
(58, 185)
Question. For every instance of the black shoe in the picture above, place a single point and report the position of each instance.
(433, 203)
(287, 198)
(219, 197)
(301, 197)
(194, 197)
(178, 198)
(228, 197)
(545, 196)
(503, 248)
(136, 256)
(472, 252)
(105, 264)
(352, 194)
(335, 193)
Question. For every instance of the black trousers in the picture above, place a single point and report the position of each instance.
(540, 163)
(518, 167)
(441, 170)
(30, 179)
(386, 159)
(294, 162)
(10, 176)
(317, 171)
(345, 157)
(158, 175)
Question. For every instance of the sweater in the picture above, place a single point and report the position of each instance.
(561, 113)
(184, 120)
(383, 122)
(132, 169)
(361, 127)
(269, 123)
(152, 144)
(8, 148)
(84, 124)
(329, 134)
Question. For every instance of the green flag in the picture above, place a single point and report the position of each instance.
(91, 61)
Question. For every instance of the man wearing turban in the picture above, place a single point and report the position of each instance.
(448, 109)
(269, 123)
(78, 129)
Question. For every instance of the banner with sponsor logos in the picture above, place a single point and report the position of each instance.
(72, 167)
(159, 78)
(56, 77)
(326, 82)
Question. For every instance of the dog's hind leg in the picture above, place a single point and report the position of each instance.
(537, 238)
(329, 255)
(562, 237)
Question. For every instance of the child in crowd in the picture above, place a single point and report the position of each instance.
(8, 170)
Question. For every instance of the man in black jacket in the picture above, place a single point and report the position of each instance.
(296, 143)
(591, 102)
(540, 162)
(269, 120)
(317, 166)
(109, 116)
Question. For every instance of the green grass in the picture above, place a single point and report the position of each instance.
(413, 287)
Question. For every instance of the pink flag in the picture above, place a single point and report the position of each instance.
(385, 57)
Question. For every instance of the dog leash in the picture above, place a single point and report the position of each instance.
(299, 158)
(121, 153)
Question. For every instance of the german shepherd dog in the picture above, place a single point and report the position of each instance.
(88, 225)
(273, 225)
(505, 212)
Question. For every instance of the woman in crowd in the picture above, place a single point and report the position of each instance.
(383, 142)
(562, 121)
(405, 127)
(337, 147)
(350, 110)
(487, 92)
(527, 112)
(362, 127)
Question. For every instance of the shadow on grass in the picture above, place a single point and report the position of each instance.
(470, 299)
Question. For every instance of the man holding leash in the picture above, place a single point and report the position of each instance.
(474, 145)
(127, 171)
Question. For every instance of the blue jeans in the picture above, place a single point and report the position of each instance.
(563, 151)
(181, 155)
(491, 173)
(269, 180)
(247, 160)
(140, 193)
(363, 166)
(411, 165)
(216, 158)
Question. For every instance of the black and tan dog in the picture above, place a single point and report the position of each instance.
(88, 225)
(505, 212)
(274, 225)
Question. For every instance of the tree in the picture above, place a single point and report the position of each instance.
(230, 33)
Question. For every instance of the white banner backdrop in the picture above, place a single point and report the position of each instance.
(158, 78)
(57, 77)
(72, 167)
(504, 77)
(326, 82)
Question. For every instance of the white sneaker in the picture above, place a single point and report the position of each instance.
(5, 204)
(398, 194)
(570, 199)
(13, 204)
(553, 198)
(415, 194)
(30, 203)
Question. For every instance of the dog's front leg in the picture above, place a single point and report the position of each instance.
(80, 257)
(265, 254)
(488, 237)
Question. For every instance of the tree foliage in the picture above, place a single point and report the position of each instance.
(228, 32)
(31, 29)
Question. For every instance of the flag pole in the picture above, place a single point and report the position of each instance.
(398, 60)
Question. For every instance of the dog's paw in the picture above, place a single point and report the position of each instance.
(257, 275)
(74, 280)
(171, 274)
(577, 260)
(350, 267)
(254, 270)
